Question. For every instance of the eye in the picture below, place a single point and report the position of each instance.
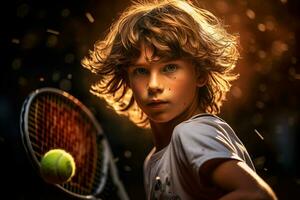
(140, 71)
(170, 68)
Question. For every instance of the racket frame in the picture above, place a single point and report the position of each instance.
(107, 162)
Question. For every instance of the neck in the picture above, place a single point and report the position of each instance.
(162, 132)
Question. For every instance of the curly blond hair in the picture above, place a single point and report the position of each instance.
(173, 29)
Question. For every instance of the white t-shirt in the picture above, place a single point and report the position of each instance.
(173, 172)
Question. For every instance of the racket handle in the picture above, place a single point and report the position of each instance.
(121, 190)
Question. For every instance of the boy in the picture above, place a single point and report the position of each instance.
(168, 65)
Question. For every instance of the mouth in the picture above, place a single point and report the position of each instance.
(157, 103)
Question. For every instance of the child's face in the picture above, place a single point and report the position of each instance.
(164, 90)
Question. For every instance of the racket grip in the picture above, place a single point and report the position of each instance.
(121, 190)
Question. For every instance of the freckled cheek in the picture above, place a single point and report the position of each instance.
(178, 88)
(138, 89)
(182, 91)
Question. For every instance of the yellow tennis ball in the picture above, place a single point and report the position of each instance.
(57, 166)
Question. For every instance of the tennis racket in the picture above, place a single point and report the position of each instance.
(51, 119)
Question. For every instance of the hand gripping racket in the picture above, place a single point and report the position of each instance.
(52, 119)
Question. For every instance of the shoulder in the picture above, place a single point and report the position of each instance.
(206, 132)
(202, 125)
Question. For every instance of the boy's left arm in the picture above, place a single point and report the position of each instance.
(240, 181)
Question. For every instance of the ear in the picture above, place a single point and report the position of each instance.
(201, 79)
(201, 75)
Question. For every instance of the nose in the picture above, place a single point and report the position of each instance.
(154, 86)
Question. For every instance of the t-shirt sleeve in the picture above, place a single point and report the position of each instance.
(198, 142)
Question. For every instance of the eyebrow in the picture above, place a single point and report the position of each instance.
(138, 64)
(165, 60)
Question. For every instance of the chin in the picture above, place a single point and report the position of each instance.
(160, 118)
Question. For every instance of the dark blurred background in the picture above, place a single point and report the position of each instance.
(42, 43)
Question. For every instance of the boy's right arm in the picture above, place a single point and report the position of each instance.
(241, 182)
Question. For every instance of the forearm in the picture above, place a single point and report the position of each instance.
(249, 195)
(241, 182)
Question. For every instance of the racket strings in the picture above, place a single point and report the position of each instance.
(56, 122)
